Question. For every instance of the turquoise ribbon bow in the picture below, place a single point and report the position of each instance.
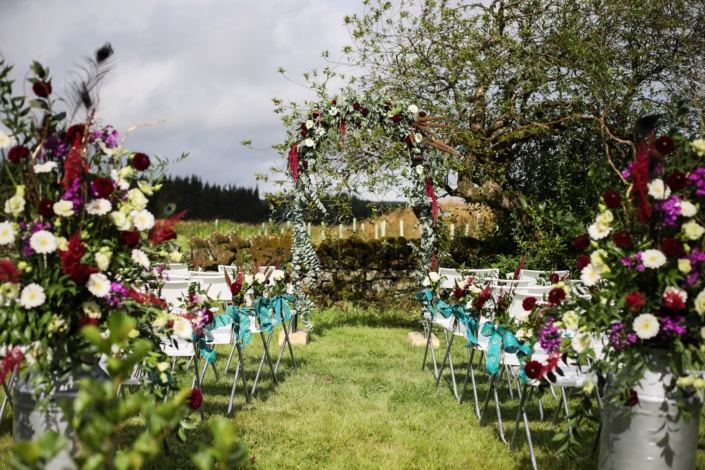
(499, 336)
(241, 317)
(278, 304)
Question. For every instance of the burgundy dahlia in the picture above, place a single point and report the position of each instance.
(41, 88)
(677, 180)
(46, 208)
(18, 153)
(556, 296)
(195, 399)
(612, 198)
(365, 111)
(422, 114)
(533, 369)
(103, 187)
(528, 303)
(396, 118)
(672, 247)
(582, 242)
(583, 260)
(356, 106)
(140, 161)
(130, 239)
(622, 238)
(664, 145)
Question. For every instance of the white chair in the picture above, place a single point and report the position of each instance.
(541, 277)
(454, 276)
(176, 348)
(230, 268)
(174, 267)
(172, 291)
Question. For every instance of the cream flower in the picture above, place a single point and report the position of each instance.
(320, 131)
(259, 278)
(183, 328)
(688, 209)
(605, 218)
(658, 189)
(278, 275)
(64, 208)
(653, 259)
(434, 276)
(102, 260)
(146, 187)
(597, 259)
(580, 342)
(249, 279)
(141, 258)
(98, 285)
(691, 229)
(120, 220)
(9, 290)
(699, 303)
(91, 308)
(413, 109)
(571, 320)
(143, 220)
(32, 296)
(698, 146)
(419, 169)
(15, 205)
(47, 167)
(333, 111)
(136, 199)
(309, 124)
(43, 242)
(176, 256)
(598, 232)
(418, 138)
(589, 275)
(7, 233)
(646, 326)
(684, 265)
(309, 142)
(62, 243)
(99, 207)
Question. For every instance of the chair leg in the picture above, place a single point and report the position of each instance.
(7, 387)
(449, 343)
(240, 368)
(494, 380)
(471, 374)
(281, 351)
(429, 345)
(265, 356)
(230, 358)
(509, 382)
(521, 415)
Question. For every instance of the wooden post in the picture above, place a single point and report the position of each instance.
(452, 230)
(467, 230)
(340, 231)
(362, 227)
(384, 228)
(354, 225)
(401, 228)
(376, 232)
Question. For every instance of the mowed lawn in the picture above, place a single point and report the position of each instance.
(359, 399)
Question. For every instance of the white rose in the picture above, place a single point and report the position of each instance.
(278, 275)
(692, 230)
(259, 278)
(419, 169)
(688, 209)
(15, 205)
(698, 146)
(434, 276)
(309, 124)
(120, 220)
(137, 199)
(413, 109)
(102, 260)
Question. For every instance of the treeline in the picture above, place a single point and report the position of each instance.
(205, 201)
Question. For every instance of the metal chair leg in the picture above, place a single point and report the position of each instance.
(240, 368)
(287, 341)
(265, 356)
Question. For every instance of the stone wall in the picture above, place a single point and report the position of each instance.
(360, 283)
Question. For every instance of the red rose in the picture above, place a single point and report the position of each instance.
(672, 247)
(103, 187)
(556, 296)
(130, 239)
(303, 126)
(635, 300)
(422, 114)
(303, 133)
(41, 88)
(86, 320)
(583, 260)
(333, 102)
(304, 163)
(195, 399)
(677, 180)
(529, 303)
(77, 130)
(365, 111)
(622, 238)
(664, 145)
(140, 161)
(315, 114)
(554, 278)
(387, 105)
(582, 242)
(612, 198)
(396, 118)
(356, 106)
(46, 208)
(9, 272)
(208, 315)
(533, 369)
(18, 153)
(236, 288)
(458, 293)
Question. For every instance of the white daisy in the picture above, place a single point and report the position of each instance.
(589, 275)
(143, 220)
(141, 258)
(7, 233)
(646, 326)
(45, 167)
(183, 328)
(688, 209)
(598, 232)
(320, 131)
(99, 207)
(32, 296)
(64, 208)
(658, 189)
(43, 242)
(98, 285)
(653, 259)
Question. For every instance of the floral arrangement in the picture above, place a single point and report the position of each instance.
(76, 235)
(193, 314)
(645, 270)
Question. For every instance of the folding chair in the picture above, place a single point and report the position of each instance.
(176, 348)
(172, 291)
(540, 277)
(453, 275)
(243, 321)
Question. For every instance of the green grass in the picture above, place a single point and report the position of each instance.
(359, 399)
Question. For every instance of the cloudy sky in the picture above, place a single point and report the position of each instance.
(205, 67)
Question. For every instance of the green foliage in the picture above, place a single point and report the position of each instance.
(355, 253)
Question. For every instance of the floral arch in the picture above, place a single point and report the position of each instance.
(324, 129)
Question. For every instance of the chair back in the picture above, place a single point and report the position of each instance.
(216, 286)
(540, 277)
(177, 267)
(172, 290)
(453, 276)
(230, 268)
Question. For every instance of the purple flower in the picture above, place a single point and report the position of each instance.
(695, 256)
(627, 172)
(671, 208)
(620, 338)
(549, 337)
(671, 327)
(697, 179)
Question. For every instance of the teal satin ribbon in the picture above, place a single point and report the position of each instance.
(457, 311)
(242, 319)
(501, 336)
(204, 349)
(278, 304)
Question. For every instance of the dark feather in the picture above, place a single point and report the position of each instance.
(645, 125)
(83, 89)
(104, 53)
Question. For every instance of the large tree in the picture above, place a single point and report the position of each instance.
(536, 89)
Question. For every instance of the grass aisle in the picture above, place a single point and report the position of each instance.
(359, 400)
